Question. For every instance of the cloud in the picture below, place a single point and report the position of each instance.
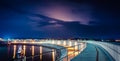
(66, 12)
(59, 19)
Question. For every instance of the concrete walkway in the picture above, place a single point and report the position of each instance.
(93, 53)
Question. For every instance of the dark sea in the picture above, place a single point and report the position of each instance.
(32, 53)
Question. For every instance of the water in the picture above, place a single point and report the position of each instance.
(8, 53)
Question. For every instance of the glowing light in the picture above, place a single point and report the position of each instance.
(15, 41)
(64, 43)
(70, 43)
(33, 41)
(75, 43)
(53, 42)
(24, 42)
(58, 42)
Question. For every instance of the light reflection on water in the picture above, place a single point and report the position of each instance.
(24, 48)
(14, 51)
(34, 52)
(40, 53)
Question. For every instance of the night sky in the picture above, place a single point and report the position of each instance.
(60, 19)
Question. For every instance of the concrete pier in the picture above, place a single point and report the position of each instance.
(93, 53)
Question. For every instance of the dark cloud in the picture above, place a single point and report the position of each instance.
(60, 18)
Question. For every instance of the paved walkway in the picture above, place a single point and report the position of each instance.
(93, 53)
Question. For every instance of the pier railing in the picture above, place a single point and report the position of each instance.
(76, 50)
(66, 53)
(58, 53)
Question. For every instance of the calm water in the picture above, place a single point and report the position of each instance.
(7, 53)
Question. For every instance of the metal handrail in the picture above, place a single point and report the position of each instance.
(35, 55)
(39, 54)
(57, 56)
(67, 54)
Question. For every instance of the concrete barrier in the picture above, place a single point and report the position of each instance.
(112, 49)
